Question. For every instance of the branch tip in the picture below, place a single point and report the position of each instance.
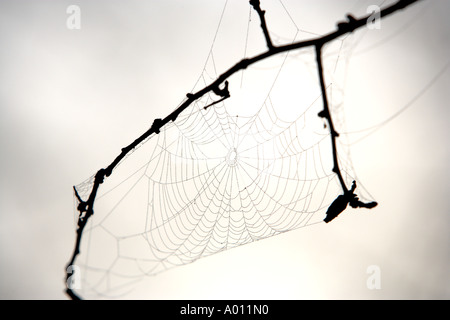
(261, 13)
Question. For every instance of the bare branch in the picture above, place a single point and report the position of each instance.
(86, 207)
(224, 93)
(325, 113)
(261, 13)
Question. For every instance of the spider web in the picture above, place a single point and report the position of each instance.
(251, 167)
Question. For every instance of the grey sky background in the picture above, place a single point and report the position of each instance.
(70, 99)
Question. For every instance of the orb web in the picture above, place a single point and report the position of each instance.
(250, 167)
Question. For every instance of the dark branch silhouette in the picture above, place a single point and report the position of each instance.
(325, 113)
(224, 93)
(348, 198)
(86, 207)
(261, 13)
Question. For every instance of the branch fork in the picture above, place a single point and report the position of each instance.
(224, 93)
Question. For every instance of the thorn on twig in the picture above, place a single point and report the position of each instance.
(224, 93)
(81, 203)
(323, 114)
(215, 102)
(346, 25)
(326, 114)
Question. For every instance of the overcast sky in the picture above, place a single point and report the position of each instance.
(70, 99)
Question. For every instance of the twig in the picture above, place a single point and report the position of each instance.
(224, 93)
(214, 103)
(261, 13)
(325, 113)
